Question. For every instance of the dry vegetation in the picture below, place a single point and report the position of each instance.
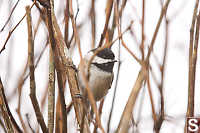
(62, 79)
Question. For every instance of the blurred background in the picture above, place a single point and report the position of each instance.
(173, 32)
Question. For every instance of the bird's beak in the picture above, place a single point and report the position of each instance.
(115, 61)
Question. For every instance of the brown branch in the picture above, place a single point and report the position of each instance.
(122, 7)
(100, 112)
(8, 110)
(192, 62)
(108, 14)
(57, 64)
(163, 12)
(143, 29)
(42, 103)
(4, 110)
(11, 31)
(93, 23)
(161, 116)
(190, 108)
(2, 125)
(51, 92)
(127, 113)
(58, 116)
(77, 39)
(19, 88)
(67, 64)
(21, 82)
(151, 98)
(32, 94)
(66, 35)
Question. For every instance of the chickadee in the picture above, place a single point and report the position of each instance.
(101, 73)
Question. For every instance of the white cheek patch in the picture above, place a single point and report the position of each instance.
(97, 59)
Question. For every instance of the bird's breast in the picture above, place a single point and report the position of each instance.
(100, 82)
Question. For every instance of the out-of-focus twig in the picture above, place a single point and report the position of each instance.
(10, 15)
(93, 22)
(19, 88)
(100, 112)
(2, 125)
(11, 31)
(108, 14)
(143, 29)
(42, 103)
(151, 98)
(28, 121)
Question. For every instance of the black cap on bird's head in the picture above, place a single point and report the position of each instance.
(106, 53)
(104, 59)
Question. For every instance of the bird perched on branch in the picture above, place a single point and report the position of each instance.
(100, 74)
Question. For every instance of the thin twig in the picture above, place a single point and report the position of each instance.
(143, 29)
(117, 77)
(163, 12)
(28, 121)
(151, 98)
(13, 9)
(66, 35)
(34, 101)
(92, 15)
(108, 14)
(11, 31)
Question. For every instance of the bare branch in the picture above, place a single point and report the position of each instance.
(34, 101)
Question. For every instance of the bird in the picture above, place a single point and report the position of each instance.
(100, 76)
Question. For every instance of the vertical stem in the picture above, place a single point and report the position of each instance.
(34, 101)
(58, 65)
(93, 23)
(66, 35)
(143, 35)
(190, 108)
(108, 14)
(51, 92)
